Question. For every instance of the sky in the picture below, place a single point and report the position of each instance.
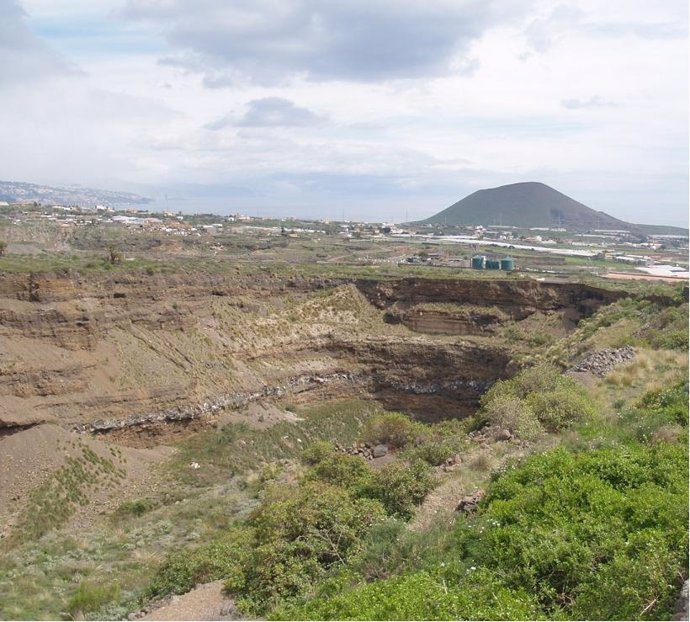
(378, 110)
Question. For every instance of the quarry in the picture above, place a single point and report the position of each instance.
(131, 352)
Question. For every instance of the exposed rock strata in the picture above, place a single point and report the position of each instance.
(490, 302)
(82, 349)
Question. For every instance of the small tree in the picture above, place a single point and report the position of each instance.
(3, 247)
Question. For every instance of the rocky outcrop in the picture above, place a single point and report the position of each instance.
(368, 451)
(467, 321)
(184, 414)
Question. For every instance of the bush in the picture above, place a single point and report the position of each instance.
(434, 452)
(564, 526)
(562, 407)
(393, 429)
(222, 559)
(631, 587)
(139, 507)
(658, 414)
(536, 399)
(446, 595)
(400, 487)
(514, 414)
(299, 536)
(538, 379)
(349, 472)
(671, 403)
(391, 549)
(316, 452)
(439, 442)
(668, 328)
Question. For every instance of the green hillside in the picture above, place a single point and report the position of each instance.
(533, 204)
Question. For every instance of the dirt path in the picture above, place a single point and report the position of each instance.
(204, 602)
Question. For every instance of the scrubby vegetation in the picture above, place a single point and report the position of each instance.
(582, 531)
(539, 399)
(300, 534)
(569, 534)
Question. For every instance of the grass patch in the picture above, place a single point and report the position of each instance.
(237, 449)
(55, 501)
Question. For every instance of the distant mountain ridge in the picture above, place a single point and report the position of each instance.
(534, 204)
(19, 191)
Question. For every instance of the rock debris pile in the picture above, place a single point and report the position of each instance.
(603, 361)
(365, 450)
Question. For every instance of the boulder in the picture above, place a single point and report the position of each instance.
(379, 451)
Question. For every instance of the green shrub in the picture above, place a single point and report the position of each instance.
(300, 534)
(138, 507)
(562, 407)
(391, 548)
(439, 442)
(537, 399)
(316, 452)
(672, 340)
(514, 414)
(394, 429)
(671, 402)
(442, 595)
(668, 328)
(563, 525)
(400, 487)
(338, 469)
(221, 559)
(600, 534)
(658, 414)
(434, 451)
(631, 587)
(538, 379)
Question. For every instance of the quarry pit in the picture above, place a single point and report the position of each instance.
(148, 359)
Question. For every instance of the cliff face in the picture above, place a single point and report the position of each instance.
(150, 350)
(518, 299)
(470, 307)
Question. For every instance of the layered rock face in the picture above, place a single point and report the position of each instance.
(104, 352)
(471, 307)
(432, 381)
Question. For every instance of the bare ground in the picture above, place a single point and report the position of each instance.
(204, 602)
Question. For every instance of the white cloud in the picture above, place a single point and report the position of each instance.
(316, 99)
(269, 112)
(271, 41)
(24, 58)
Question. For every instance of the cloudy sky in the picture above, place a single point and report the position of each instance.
(371, 109)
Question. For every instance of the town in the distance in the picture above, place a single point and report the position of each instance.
(528, 227)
